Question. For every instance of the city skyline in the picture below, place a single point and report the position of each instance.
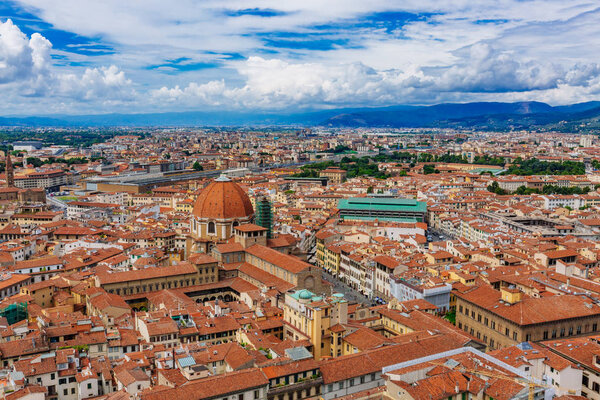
(65, 57)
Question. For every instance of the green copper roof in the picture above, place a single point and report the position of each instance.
(372, 218)
(382, 204)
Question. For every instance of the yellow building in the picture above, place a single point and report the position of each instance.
(324, 238)
(333, 254)
(334, 175)
(307, 316)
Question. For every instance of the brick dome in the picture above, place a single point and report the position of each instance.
(222, 199)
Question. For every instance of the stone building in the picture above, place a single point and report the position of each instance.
(220, 207)
(508, 317)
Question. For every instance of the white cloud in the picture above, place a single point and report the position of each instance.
(465, 50)
(26, 70)
(97, 83)
(22, 58)
(277, 84)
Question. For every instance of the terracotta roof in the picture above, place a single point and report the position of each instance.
(222, 200)
(275, 371)
(290, 263)
(105, 277)
(365, 338)
(215, 386)
(531, 310)
(370, 361)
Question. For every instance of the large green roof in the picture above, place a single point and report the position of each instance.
(382, 204)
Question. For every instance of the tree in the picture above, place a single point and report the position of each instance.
(197, 166)
(36, 162)
(428, 169)
(494, 187)
(370, 190)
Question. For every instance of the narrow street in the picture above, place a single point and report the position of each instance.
(350, 294)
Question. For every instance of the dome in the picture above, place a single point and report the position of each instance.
(222, 199)
(304, 295)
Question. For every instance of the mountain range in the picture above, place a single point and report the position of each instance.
(481, 115)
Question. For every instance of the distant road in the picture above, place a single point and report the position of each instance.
(57, 203)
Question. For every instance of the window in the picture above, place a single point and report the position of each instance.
(72, 390)
(514, 335)
(594, 327)
(578, 329)
(570, 331)
(352, 382)
(66, 392)
(52, 376)
(562, 332)
(89, 386)
(493, 324)
(257, 394)
(330, 388)
(341, 386)
(528, 337)
(507, 332)
(211, 228)
(372, 376)
(585, 380)
(553, 333)
(545, 335)
(62, 381)
(485, 321)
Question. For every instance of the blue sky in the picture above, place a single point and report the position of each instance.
(77, 56)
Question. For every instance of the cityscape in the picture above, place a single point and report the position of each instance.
(285, 200)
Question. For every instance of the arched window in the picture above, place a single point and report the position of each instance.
(211, 228)
(235, 223)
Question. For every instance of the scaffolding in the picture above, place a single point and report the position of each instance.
(264, 215)
(15, 312)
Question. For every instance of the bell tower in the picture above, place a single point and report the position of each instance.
(10, 174)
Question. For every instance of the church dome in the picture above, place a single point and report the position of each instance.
(222, 199)
(304, 295)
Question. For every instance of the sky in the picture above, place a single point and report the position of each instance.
(82, 57)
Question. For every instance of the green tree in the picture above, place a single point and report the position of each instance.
(428, 169)
(197, 166)
(494, 187)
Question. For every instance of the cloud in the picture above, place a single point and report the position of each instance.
(26, 70)
(97, 83)
(283, 54)
(278, 84)
(22, 58)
